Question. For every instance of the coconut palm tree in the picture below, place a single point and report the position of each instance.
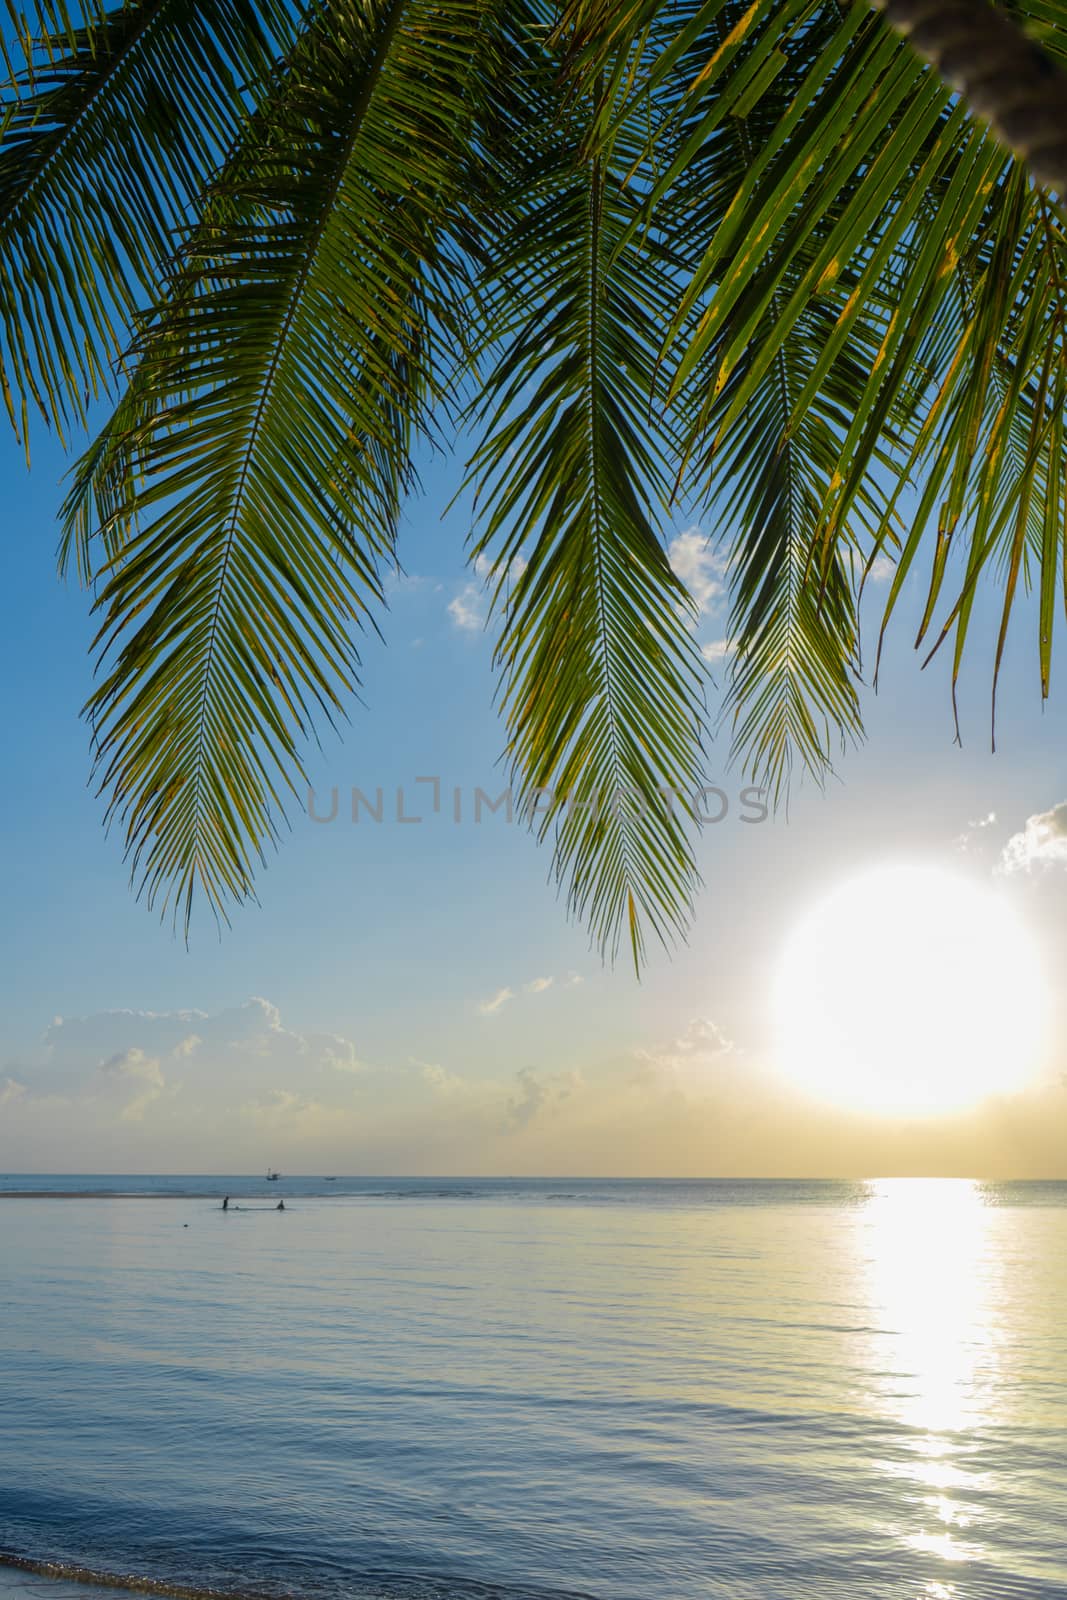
(758, 258)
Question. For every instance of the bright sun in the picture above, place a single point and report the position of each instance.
(910, 990)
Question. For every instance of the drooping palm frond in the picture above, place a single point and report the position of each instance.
(111, 121)
(1008, 61)
(987, 442)
(792, 664)
(762, 466)
(846, 250)
(746, 336)
(601, 679)
(251, 477)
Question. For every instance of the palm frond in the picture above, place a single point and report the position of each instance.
(852, 248)
(110, 123)
(793, 667)
(986, 442)
(247, 490)
(602, 684)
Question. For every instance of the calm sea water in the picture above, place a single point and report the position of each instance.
(515, 1390)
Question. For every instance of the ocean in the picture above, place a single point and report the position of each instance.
(515, 1389)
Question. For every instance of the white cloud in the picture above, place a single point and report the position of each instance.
(539, 985)
(233, 1049)
(134, 1064)
(253, 1030)
(108, 1033)
(971, 836)
(142, 1070)
(278, 1108)
(489, 571)
(882, 569)
(537, 1094)
(692, 1062)
(488, 1007)
(704, 1036)
(185, 1089)
(440, 1080)
(11, 1090)
(1042, 842)
(340, 1054)
(261, 1031)
(698, 567)
(716, 650)
(467, 609)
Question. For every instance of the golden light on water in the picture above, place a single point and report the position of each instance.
(910, 990)
(926, 1264)
(925, 1273)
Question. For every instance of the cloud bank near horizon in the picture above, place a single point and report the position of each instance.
(232, 1090)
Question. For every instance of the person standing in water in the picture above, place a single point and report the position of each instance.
(226, 1202)
(280, 1206)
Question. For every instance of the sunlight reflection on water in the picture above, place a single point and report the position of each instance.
(929, 1266)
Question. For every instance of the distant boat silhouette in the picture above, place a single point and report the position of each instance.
(272, 1177)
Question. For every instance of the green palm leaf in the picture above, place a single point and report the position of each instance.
(109, 126)
(851, 248)
(601, 679)
(251, 478)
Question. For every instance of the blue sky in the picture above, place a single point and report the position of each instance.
(395, 940)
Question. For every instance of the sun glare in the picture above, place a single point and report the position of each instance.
(910, 990)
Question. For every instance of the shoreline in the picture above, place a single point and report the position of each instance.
(30, 1583)
(26, 1576)
(24, 1579)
